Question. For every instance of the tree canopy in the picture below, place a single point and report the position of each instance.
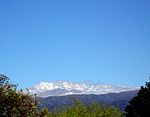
(139, 106)
(89, 110)
(16, 103)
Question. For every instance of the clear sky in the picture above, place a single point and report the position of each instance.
(106, 41)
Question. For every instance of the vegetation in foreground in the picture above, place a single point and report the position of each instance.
(90, 110)
(139, 106)
(15, 103)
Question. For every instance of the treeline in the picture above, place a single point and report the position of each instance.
(16, 103)
(90, 110)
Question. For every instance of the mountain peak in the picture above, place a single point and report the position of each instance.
(59, 88)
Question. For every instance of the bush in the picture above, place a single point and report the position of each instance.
(15, 103)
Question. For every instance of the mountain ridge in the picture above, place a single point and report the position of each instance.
(61, 88)
(119, 100)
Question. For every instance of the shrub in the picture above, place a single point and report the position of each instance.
(16, 103)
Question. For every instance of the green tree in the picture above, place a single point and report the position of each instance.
(90, 110)
(139, 106)
(16, 103)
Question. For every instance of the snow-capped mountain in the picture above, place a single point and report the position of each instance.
(60, 88)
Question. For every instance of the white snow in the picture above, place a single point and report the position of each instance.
(45, 89)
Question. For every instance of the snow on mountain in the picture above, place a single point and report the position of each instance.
(59, 88)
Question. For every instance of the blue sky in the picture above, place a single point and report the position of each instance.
(106, 41)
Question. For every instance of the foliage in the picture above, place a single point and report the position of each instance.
(15, 103)
(91, 110)
(139, 106)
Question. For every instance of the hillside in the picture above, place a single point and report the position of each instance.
(119, 100)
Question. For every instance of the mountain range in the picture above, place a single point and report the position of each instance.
(62, 88)
(57, 94)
